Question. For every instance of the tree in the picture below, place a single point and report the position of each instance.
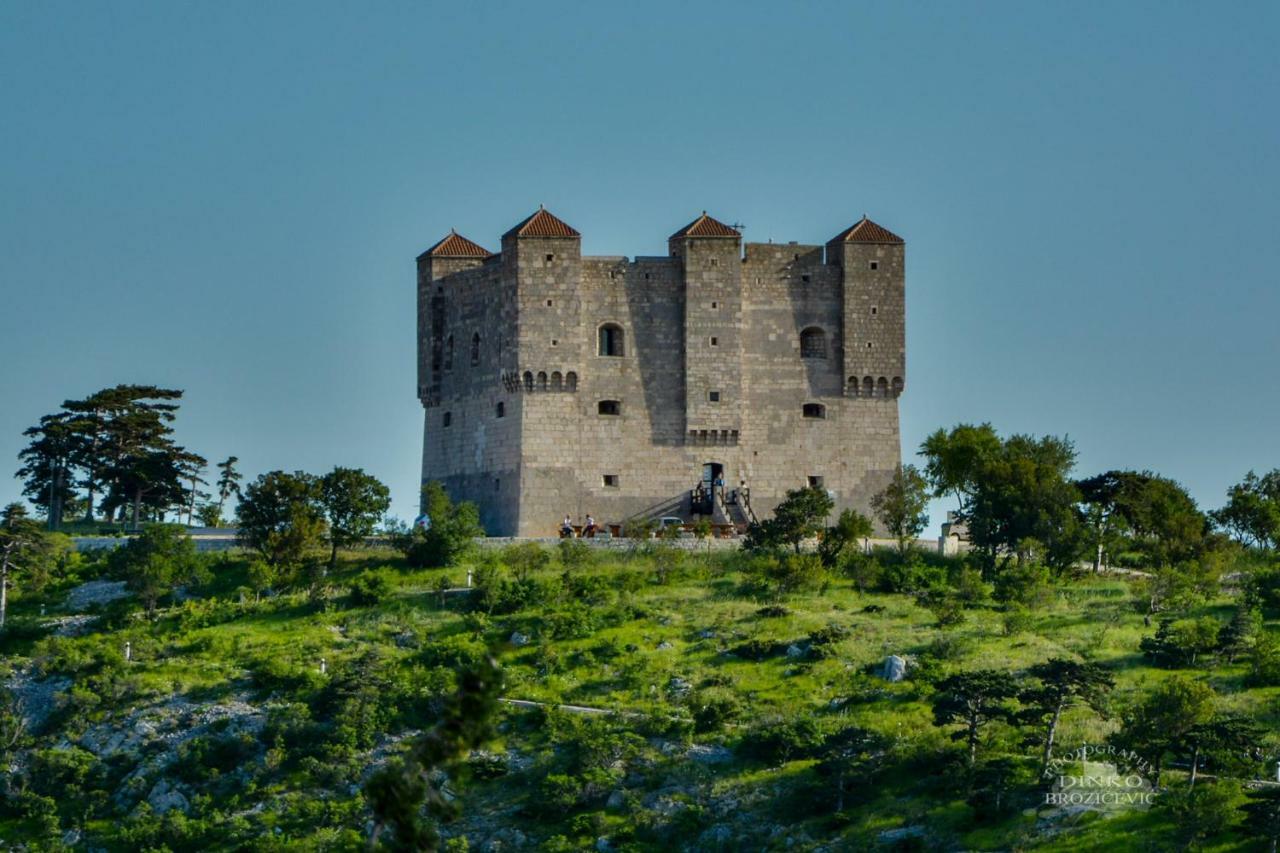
(1159, 723)
(1262, 815)
(228, 481)
(973, 700)
(1202, 813)
(156, 561)
(1228, 743)
(1023, 505)
(354, 503)
(1062, 684)
(850, 527)
(281, 518)
(1236, 636)
(901, 505)
(1252, 512)
(22, 545)
(954, 459)
(452, 532)
(398, 793)
(798, 517)
(1181, 642)
(47, 464)
(851, 753)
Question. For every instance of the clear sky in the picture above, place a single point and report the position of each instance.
(228, 198)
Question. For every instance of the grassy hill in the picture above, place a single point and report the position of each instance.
(252, 724)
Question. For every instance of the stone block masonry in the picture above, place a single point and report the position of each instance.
(554, 383)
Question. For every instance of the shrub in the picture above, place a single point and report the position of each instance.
(1026, 584)
(910, 575)
(1015, 620)
(1264, 662)
(370, 588)
(1181, 642)
(453, 530)
(780, 741)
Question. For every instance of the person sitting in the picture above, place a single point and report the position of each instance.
(566, 528)
(589, 530)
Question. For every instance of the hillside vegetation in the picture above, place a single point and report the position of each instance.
(749, 707)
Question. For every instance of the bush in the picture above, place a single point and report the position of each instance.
(1264, 662)
(1026, 584)
(1015, 620)
(370, 588)
(780, 741)
(452, 533)
(910, 575)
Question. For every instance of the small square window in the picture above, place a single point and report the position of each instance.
(548, 303)
(875, 265)
(713, 396)
(815, 481)
(873, 310)
(551, 258)
(805, 278)
(715, 342)
(715, 305)
(554, 342)
(610, 481)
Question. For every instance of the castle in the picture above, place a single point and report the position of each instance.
(708, 381)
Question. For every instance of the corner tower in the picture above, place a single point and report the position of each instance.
(872, 261)
(453, 254)
(710, 253)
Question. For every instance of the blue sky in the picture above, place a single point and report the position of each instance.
(228, 198)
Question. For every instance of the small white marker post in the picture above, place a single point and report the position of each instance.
(128, 651)
(468, 579)
(324, 666)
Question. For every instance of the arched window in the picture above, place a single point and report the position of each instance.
(814, 410)
(813, 343)
(571, 381)
(609, 407)
(853, 385)
(557, 381)
(542, 380)
(448, 353)
(528, 380)
(882, 387)
(868, 386)
(897, 385)
(475, 349)
(611, 342)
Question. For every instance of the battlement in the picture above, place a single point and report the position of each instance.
(548, 376)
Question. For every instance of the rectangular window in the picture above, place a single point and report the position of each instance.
(448, 419)
(805, 278)
(875, 265)
(609, 407)
(815, 481)
(550, 258)
(713, 396)
(610, 481)
(715, 342)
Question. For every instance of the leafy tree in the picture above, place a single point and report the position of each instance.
(1252, 512)
(1024, 505)
(209, 515)
(22, 546)
(1262, 815)
(1181, 642)
(1264, 661)
(262, 576)
(282, 519)
(1062, 684)
(1159, 723)
(398, 793)
(354, 503)
(790, 573)
(850, 527)
(901, 505)
(452, 532)
(798, 517)
(1202, 813)
(156, 561)
(973, 700)
(228, 483)
(954, 459)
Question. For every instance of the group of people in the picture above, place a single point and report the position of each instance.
(588, 530)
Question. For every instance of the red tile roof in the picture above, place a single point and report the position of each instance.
(705, 226)
(454, 245)
(866, 231)
(542, 224)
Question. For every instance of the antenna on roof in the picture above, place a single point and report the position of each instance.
(737, 226)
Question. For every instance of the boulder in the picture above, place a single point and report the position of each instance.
(164, 798)
(895, 668)
(518, 639)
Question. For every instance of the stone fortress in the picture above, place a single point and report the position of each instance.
(709, 381)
